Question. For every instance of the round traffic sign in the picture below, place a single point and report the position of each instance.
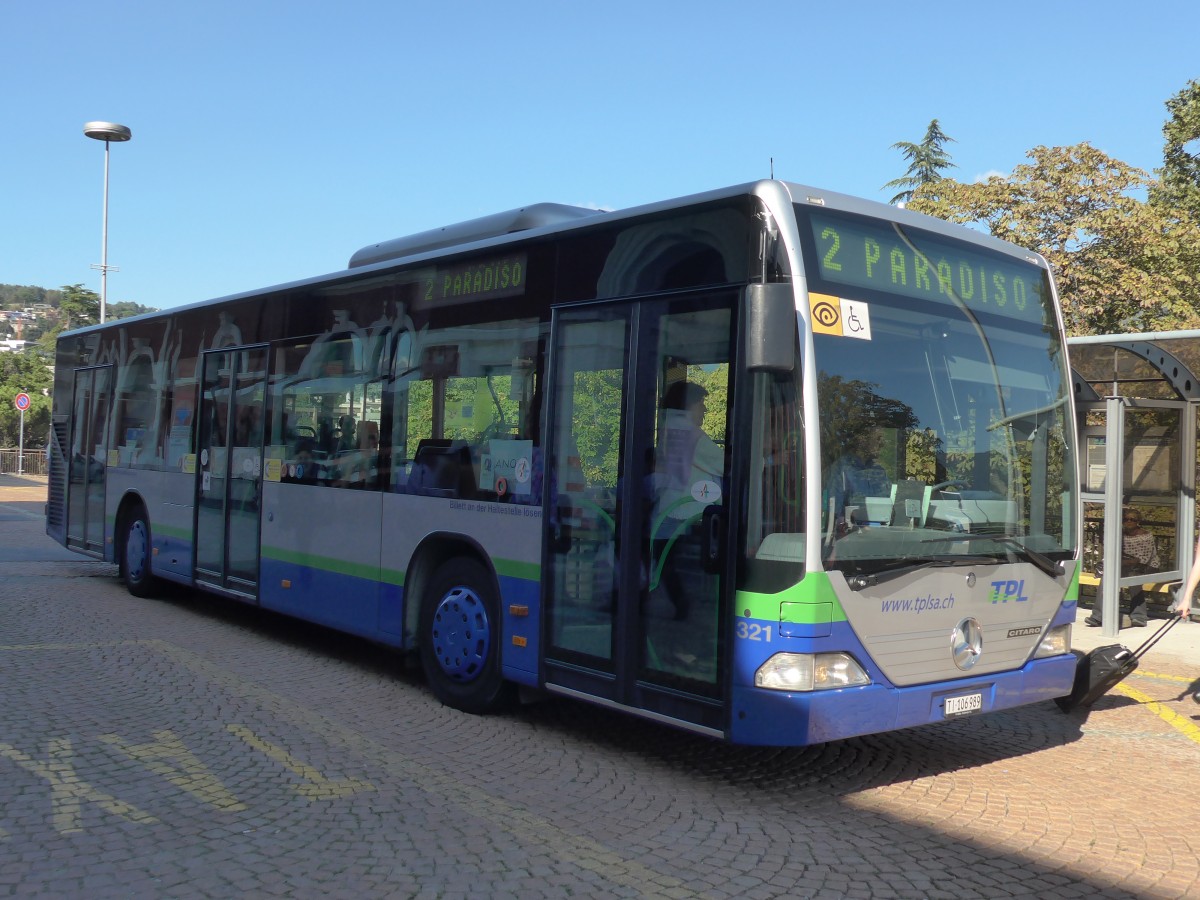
(22, 402)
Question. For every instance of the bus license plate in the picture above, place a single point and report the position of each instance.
(961, 706)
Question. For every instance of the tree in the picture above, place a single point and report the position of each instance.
(126, 308)
(24, 373)
(1120, 263)
(78, 307)
(1178, 187)
(926, 161)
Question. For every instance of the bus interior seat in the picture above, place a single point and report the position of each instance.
(442, 468)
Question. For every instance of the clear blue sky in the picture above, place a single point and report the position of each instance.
(272, 139)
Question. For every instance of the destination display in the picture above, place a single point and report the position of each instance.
(885, 257)
(487, 279)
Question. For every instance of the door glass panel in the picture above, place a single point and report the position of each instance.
(230, 465)
(214, 438)
(80, 456)
(684, 490)
(245, 465)
(89, 456)
(590, 400)
(97, 459)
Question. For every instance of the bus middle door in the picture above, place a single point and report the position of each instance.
(229, 469)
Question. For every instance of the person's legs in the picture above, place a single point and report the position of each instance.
(1137, 607)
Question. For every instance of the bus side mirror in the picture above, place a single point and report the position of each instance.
(771, 327)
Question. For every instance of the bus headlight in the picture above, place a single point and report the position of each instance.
(1055, 642)
(809, 672)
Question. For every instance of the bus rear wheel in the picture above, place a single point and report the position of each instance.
(135, 555)
(460, 638)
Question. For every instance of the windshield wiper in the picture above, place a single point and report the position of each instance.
(858, 582)
(1043, 562)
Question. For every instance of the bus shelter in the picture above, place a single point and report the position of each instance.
(1136, 399)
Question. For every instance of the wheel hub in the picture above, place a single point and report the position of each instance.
(461, 633)
(135, 551)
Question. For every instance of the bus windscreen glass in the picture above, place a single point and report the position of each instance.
(943, 396)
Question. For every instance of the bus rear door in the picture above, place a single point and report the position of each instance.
(88, 459)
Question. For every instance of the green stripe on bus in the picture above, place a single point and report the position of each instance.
(506, 568)
(1072, 594)
(812, 601)
(184, 533)
(324, 563)
(511, 568)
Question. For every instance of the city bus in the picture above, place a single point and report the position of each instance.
(770, 463)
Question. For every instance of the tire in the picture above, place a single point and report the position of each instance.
(135, 555)
(460, 638)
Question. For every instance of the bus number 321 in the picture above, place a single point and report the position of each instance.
(749, 631)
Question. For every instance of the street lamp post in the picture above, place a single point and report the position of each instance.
(107, 132)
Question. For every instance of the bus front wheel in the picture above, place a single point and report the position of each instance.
(135, 555)
(460, 638)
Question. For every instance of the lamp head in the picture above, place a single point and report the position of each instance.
(107, 131)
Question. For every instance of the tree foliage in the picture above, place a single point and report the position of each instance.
(19, 296)
(24, 373)
(78, 307)
(1121, 263)
(126, 308)
(926, 161)
(1178, 187)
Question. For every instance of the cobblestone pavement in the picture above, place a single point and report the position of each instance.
(193, 747)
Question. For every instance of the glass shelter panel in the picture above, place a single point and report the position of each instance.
(1151, 474)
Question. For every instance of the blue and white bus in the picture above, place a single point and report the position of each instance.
(769, 463)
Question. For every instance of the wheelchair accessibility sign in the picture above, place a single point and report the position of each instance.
(839, 316)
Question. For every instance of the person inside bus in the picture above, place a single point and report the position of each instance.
(304, 468)
(688, 472)
(856, 475)
(347, 439)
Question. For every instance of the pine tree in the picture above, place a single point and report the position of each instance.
(926, 161)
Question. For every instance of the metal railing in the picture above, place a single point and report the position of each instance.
(33, 462)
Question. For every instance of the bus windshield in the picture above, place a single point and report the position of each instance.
(942, 389)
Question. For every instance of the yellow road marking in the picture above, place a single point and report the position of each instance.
(1189, 729)
(167, 756)
(68, 792)
(506, 815)
(1180, 678)
(319, 787)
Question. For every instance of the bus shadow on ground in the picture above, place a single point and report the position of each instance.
(859, 763)
(287, 631)
(862, 762)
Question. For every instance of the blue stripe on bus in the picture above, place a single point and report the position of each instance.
(375, 610)
(347, 602)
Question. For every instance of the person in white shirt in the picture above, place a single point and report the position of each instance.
(688, 474)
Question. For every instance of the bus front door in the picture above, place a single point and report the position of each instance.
(634, 580)
(88, 459)
(229, 469)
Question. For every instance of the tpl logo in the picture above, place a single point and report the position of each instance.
(1003, 591)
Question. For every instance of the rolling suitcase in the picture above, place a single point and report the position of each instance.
(1098, 671)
